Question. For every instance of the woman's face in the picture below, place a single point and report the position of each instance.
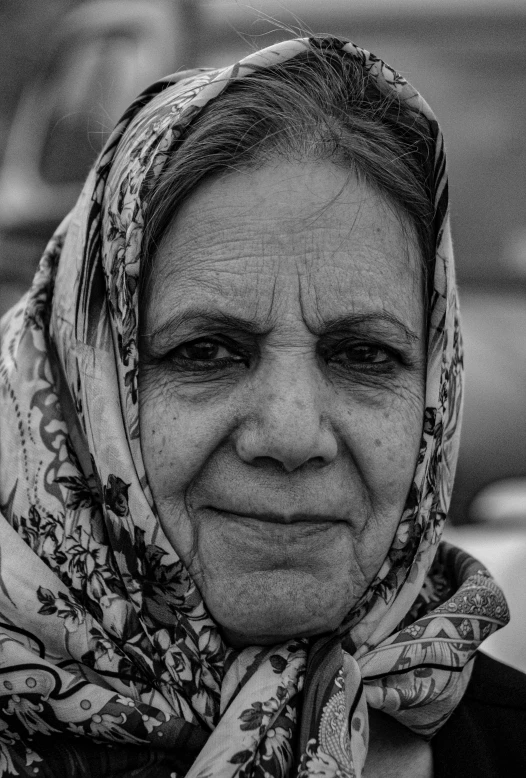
(281, 393)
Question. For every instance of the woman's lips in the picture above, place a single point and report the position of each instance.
(279, 518)
(274, 540)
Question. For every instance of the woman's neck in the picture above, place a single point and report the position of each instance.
(395, 751)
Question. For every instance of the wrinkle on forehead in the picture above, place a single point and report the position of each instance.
(249, 239)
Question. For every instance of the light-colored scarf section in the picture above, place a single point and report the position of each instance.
(104, 637)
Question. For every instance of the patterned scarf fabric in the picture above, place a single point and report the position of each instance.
(110, 664)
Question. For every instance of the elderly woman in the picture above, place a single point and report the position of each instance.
(230, 412)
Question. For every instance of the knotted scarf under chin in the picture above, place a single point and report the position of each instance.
(304, 705)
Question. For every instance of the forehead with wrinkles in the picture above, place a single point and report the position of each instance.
(265, 245)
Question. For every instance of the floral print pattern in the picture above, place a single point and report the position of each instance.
(109, 661)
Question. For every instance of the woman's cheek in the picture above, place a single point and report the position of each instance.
(383, 442)
(177, 441)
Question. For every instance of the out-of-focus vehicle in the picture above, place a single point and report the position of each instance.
(467, 57)
(101, 56)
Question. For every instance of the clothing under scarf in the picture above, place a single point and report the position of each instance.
(110, 664)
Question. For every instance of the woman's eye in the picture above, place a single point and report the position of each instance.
(205, 354)
(369, 354)
(202, 349)
(364, 355)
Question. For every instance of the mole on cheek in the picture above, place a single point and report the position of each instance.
(377, 442)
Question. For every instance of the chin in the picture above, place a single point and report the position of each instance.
(270, 607)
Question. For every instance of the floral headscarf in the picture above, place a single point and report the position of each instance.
(109, 660)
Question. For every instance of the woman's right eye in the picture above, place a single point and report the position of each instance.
(205, 354)
(201, 349)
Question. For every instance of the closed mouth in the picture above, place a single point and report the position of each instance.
(278, 518)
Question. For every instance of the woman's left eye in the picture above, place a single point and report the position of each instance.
(365, 356)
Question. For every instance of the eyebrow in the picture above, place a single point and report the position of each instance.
(200, 317)
(204, 318)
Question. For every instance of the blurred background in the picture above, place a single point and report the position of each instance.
(68, 68)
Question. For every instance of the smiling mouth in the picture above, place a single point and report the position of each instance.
(278, 518)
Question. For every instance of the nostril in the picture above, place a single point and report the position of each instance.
(284, 464)
(271, 464)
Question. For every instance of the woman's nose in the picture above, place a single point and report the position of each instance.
(287, 422)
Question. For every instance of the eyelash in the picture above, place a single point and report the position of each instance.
(384, 366)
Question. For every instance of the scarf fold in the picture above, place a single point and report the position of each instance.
(109, 660)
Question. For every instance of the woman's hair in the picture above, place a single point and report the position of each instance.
(320, 105)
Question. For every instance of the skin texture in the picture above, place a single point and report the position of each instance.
(280, 450)
(395, 751)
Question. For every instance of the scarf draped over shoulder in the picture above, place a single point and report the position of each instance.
(110, 663)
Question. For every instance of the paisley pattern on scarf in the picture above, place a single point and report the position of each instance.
(109, 661)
